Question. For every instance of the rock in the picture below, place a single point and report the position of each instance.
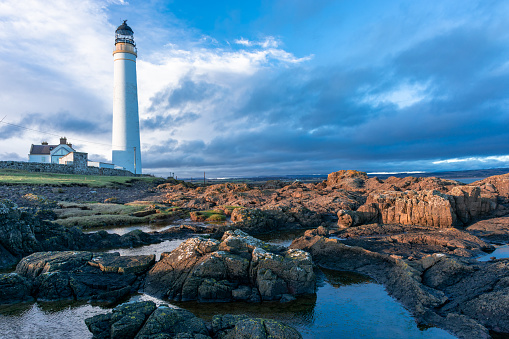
(457, 293)
(17, 230)
(14, 288)
(414, 241)
(172, 322)
(490, 309)
(25, 231)
(46, 262)
(124, 265)
(239, 267)
(365, 214)
(256, 221)
(495, 229)
(142, 320)
(256, 328)
(103, 277)
(128, 319)
(348, 179)
(425, 208)
(465, 327)
(100, 326)
(400, 279)
(446, 271)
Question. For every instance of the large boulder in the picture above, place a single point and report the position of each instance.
(239, 267)
(426, 208)
(79, 275)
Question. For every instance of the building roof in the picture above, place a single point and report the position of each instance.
(45, 149)
(42, 149)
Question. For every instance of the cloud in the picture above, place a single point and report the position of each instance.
(407, 112)
(331, 85)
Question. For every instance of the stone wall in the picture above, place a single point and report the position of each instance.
(64, 169)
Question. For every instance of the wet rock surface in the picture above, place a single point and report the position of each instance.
(146, 320)
(442, 286)
(239, 267)
(74, 275)
(495, 229)
(414, 241)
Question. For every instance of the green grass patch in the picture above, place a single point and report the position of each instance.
(210, 215)
(9, 176)
(90, 215)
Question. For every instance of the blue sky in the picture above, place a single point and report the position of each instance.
(265, 87)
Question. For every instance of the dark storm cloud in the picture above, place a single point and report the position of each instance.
(331, 115)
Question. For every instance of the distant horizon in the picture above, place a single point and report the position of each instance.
(465, 174)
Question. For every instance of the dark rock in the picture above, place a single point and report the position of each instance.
(103, 277)
(45, 262)
(14, 288)
(172, 322)
(124, 265)
(100, 326)
(495, 229)
(255, 328)
(128, 319)
(142, 320)
(456, 293)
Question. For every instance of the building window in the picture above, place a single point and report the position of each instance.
(43, 159)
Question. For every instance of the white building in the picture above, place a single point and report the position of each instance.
(126, 150)
(46, 153)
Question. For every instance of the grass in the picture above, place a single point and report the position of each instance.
(9, 176)
(210, 215)
(90, 215)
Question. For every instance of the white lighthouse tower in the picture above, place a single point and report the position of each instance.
(126, 126)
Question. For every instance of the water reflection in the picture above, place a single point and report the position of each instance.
(502, 252)
(346, 305)
(157, 249)
(284, 238)
(47, 320)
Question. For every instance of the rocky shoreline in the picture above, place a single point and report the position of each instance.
(419, 237)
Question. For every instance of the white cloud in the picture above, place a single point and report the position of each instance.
(501, 160)
(404, 95)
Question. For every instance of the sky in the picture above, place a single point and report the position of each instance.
(248, 88)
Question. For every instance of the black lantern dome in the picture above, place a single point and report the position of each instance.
(124, 33)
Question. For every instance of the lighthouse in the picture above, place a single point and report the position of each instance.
(126, 125)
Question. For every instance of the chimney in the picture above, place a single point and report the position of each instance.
(45, 143)
(69, 144)
(63, 141)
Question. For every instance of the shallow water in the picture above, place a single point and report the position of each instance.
(157, 249)
(284, 238)
(154, 227)
(501, 252)
(346, 305)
